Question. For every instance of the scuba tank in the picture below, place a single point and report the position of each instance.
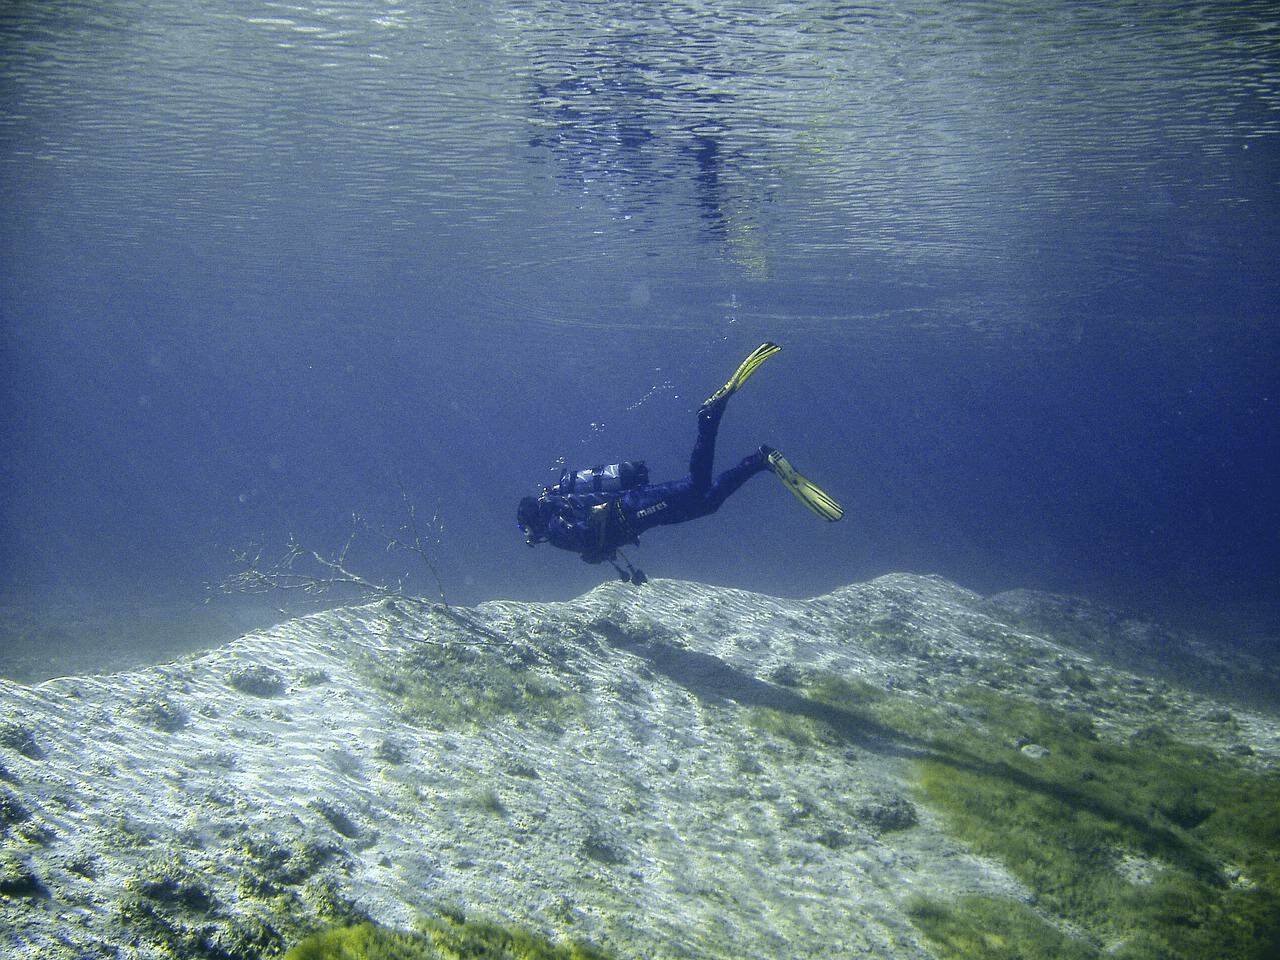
(615, 478)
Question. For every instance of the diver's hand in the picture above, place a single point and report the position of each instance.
(577, 508)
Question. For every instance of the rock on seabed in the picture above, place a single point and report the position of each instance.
(638, 769)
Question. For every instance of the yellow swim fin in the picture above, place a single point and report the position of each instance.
(805, 490)
(745, 369)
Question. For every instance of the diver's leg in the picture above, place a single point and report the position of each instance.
(682, 500)
(665, 503)
(728, 482)
(704, 448)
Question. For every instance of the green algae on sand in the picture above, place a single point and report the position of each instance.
(1149, 849)
(437, 940)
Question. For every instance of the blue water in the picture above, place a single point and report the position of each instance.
(262, 259)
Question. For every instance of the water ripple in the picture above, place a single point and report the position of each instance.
(902, 132)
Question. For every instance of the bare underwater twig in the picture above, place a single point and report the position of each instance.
(428, 550)
(309, 572)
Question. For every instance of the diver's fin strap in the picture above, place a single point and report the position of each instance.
(745, 369)
(805, 490)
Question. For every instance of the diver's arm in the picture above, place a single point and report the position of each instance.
(570, 528)
(568, 532)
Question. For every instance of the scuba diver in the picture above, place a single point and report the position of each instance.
(594, 512)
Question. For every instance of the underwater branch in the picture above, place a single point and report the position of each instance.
(309, 572)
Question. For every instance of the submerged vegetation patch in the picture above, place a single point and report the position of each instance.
(437, 940)
(803, 731)
(448, 686)
(1154, 849)
(994, 928)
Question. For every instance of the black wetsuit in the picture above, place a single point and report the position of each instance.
(595, 525)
